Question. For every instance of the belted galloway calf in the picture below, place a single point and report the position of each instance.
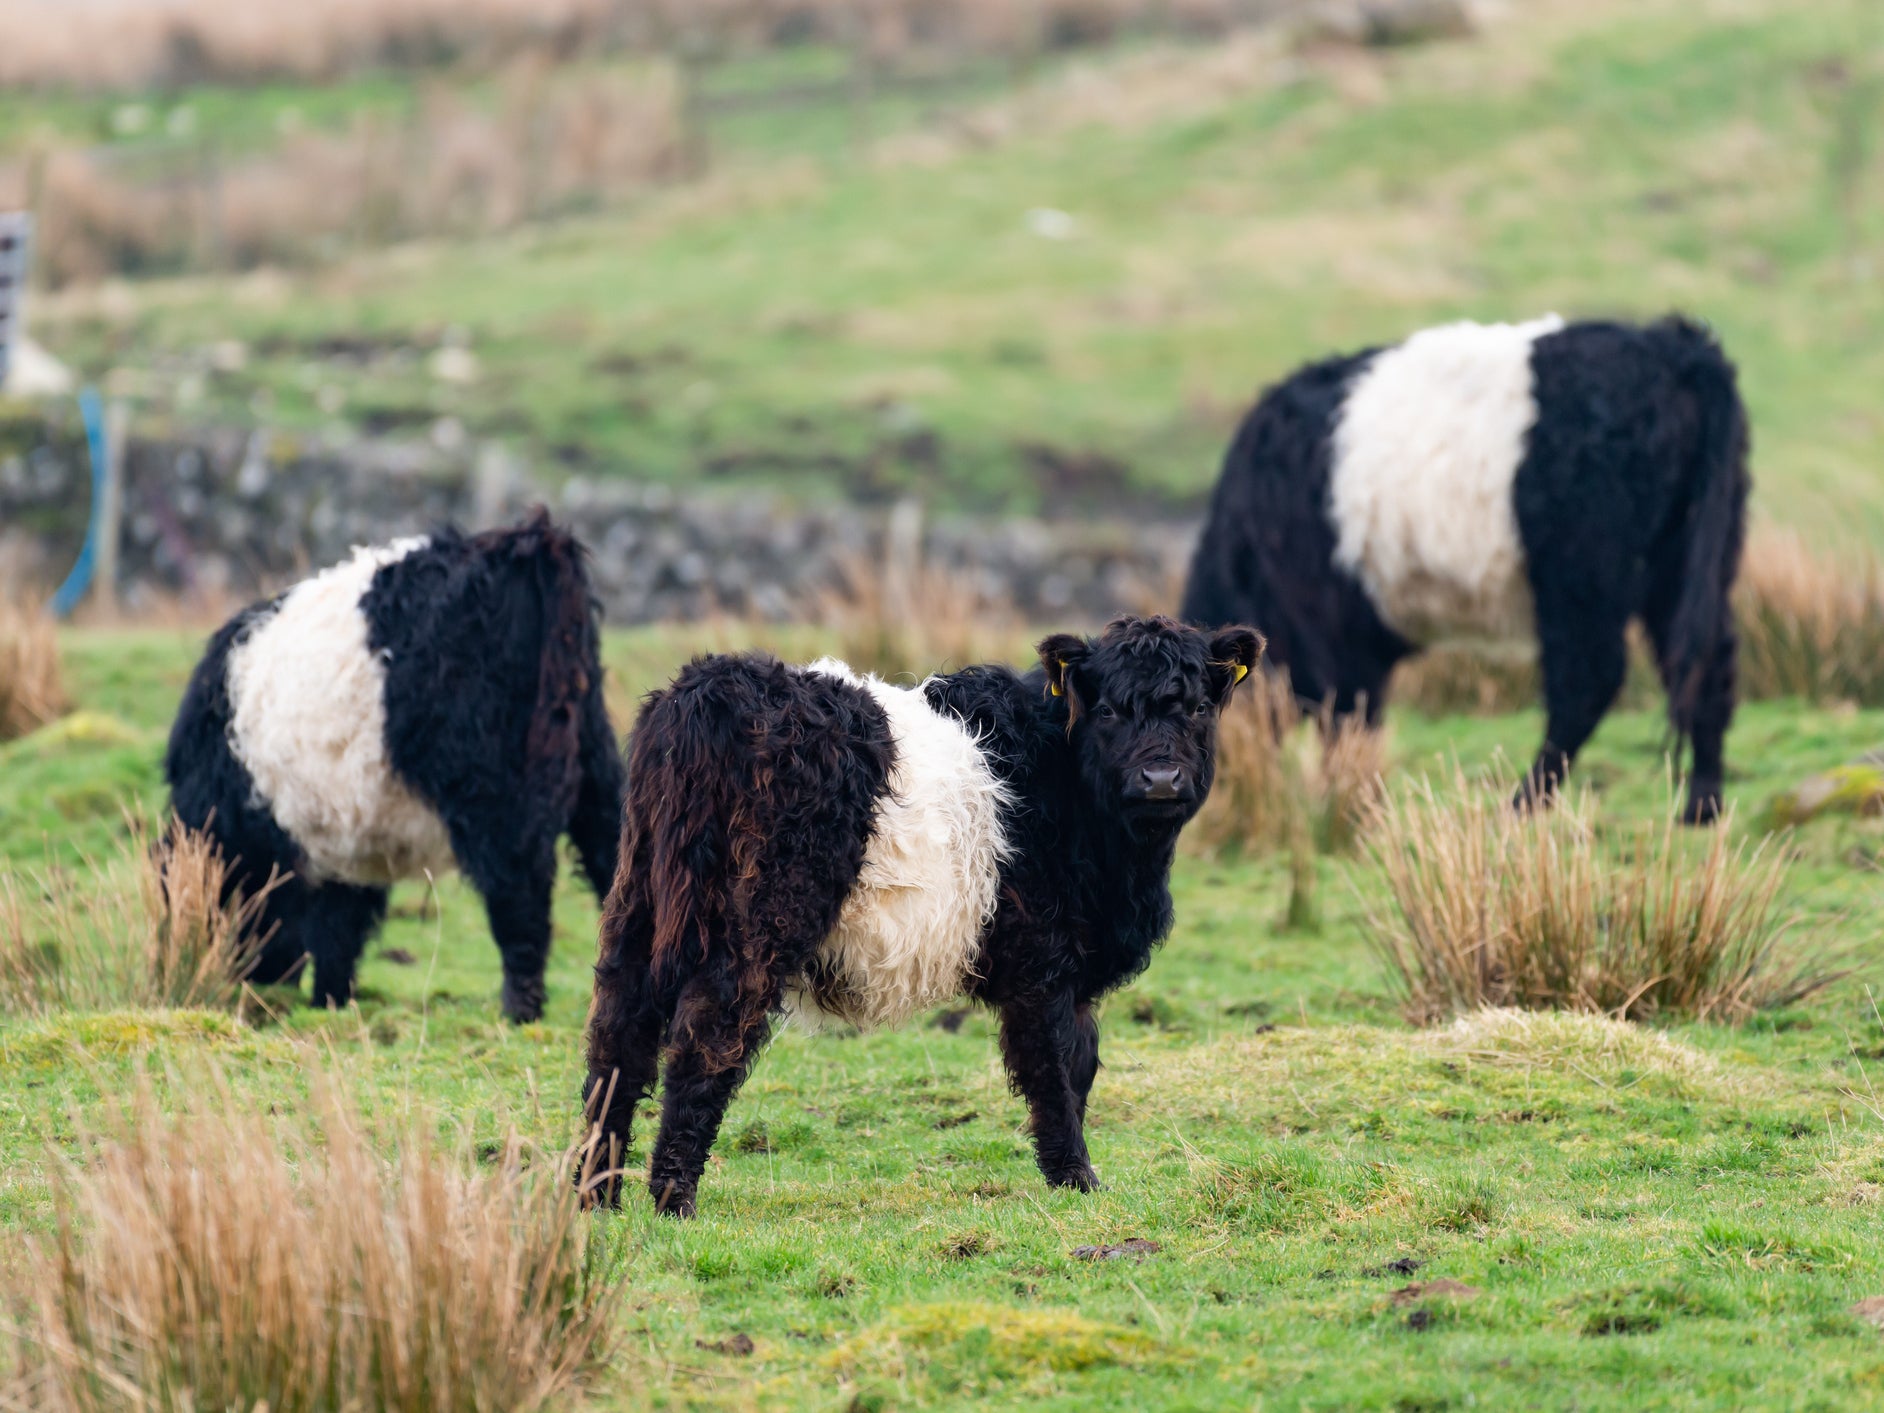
(807, 840)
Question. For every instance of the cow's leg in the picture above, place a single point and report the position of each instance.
(1040, 1042)
(1584, 656)
(715, 1037)
(282, 926)
(1713, 713)
(516, 876)
(334, 926)
(1362, 691)
(520, 925)
(1712, 702)
(627, 1017)
(1085, 1060)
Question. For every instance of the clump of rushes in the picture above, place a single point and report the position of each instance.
(1489, 906)
(1286, 779)
(151, 929)
(199, 947)
(910, 619)
(1453, 680)
(32, 687)
(214, 1258)
(1811, 625)
(1288, 782)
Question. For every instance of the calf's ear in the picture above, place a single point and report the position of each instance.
(1234, 653)
(1060, 654)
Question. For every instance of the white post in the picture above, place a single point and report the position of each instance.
(16, 232)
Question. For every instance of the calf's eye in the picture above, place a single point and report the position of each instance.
(1105, 712)
(1201, 709)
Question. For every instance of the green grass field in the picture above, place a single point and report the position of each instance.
(1675, 1219)
(824, 324)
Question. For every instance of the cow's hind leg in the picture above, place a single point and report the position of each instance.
(715, 1037)
(520, 923)
(1711, 704)
(1584, 656)
(1713, 713)
(723, 1015)
(627, 1017)
(1084, 1067)
(334, 926)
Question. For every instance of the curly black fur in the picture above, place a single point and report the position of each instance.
(1630, 501)
(753, 789)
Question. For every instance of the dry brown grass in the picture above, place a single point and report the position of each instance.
(1285, 778)
(906, 618)
(1493, 907)
(144, 44)
(550, 144)
(1811, 624)
(1450, 680)
(149, 929)
(32, 687)
(198, 948)
(214, 1258)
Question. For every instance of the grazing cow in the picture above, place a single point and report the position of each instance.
(1485, 481)
(805, 840)
(430, 701)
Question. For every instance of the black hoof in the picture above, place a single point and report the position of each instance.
(1702, 809)
(672, 1200)
(523, 999)
(599, 1194)
(1080, 1179)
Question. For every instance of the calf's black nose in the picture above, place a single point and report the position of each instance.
(1161, 784)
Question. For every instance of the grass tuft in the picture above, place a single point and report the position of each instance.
(1283, 787)
(905, 619)
(1493, 907)
(968, 1348)
(32, 686)
(1453, 680)
(1596, 1048)
(211, 1259)
(1811, 626)
(153, 929)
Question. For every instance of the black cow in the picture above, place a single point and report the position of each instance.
(805, 840)
(433, 701)
(1488, 481)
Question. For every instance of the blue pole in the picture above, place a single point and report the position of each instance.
(92, 409)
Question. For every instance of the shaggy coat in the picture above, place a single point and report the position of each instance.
(431, 702)
(1537, 480)
(802, 839)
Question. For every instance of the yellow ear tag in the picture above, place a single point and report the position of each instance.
(1241, 673)
(1054, 687)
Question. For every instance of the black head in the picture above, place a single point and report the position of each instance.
(1142, 701)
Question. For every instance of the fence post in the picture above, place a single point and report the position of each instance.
(209, 178)
(862, 78)
(690, 60)
(111, 509)
(16, 236)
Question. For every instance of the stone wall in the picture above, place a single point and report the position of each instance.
(231, 514)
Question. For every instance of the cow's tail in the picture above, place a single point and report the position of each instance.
(1717, 485)
(571, 759)
(691, 821)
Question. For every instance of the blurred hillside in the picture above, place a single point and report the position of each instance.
(1048, 284)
